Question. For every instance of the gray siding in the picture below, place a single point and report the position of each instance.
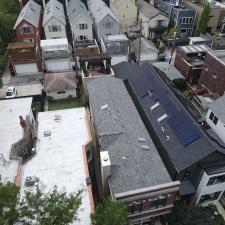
(102, 30)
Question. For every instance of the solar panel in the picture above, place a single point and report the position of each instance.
(184, 129)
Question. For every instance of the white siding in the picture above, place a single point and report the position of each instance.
(55, 65)
(54, 35)
(203, 189)
(219, 128)
(26, 69)
(153, 56)
(77, 32)
(65, 95)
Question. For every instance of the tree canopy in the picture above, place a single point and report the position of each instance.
(184, 215)
(204, 19)
(55, 207)
(110, 213)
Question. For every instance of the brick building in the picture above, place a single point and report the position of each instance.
(213, 72)
(28, 24)
(131, 169)
(189, 61)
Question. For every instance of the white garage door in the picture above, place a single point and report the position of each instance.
(58, 65)
(25, 69)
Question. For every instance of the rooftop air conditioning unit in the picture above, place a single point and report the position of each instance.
(31, 181)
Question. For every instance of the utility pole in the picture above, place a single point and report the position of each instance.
(174, 42)
(139, 49)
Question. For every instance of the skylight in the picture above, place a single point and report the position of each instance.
(161, 118)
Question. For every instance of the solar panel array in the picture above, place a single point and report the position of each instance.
(178, 120)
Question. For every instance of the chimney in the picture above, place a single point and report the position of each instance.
(23, 122)
(105, 170)
(21, 4)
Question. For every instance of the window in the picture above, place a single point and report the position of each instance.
(213, 118)
(158, 202)
(61, 92)
(183, 30)
(191, 20)
(83, 26)
(54, 28)
(82, 37)
(209, 197)
(184, 19)
(216, 180)
(187, 20)
(135, 208)
(108, 24)
(26, 30)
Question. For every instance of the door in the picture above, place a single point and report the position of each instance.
(26, 69)
(58, 65)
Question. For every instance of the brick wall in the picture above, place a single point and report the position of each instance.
(213, 75)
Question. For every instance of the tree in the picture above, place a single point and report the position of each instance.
(8, 201)
(204, 19)
(180, 84)
(184, 215)
(56, 207)
(110, 213)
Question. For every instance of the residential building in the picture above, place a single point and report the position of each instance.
(200, 40)
(148, 49)
(126, 12)
(189, 61)
(105, 21)
(132, 171)
(28, 23)
(25, 58)
(216, 16)
(17, 121)
(180, 15)
(57, 55)
(215, 117)
(117, 46)
(191, 151)
(213, 72)
(54, 22)
(80, 21)
(61, 158)
(154, 23)
(60, 85)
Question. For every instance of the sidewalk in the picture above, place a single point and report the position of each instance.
(5, 79)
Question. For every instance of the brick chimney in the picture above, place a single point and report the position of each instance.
(23, 123)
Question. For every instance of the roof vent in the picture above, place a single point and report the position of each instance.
(142, 139)
(145, 147)
(104, 107)
(163, 117)
(154, 106)
(47, 133)
(58, 118)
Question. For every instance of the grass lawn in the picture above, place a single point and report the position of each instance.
(64, 104)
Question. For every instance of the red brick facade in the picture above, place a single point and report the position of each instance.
(213, 74)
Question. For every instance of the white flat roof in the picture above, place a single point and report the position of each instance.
(116, 37)
(54, 44)
(59, 158)
(11, 132)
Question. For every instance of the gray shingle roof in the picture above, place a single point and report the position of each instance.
(169, 70)
(31, 13)
(181, 156)
(54, 82)
(120, 130)
(218, 107)
(147, 9)
(100, 10)
(77, 8)
(54, 9)
(146, 46)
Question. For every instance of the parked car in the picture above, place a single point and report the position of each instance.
(11, 92)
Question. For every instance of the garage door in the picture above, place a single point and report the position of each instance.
(25, 69)
(58, 65)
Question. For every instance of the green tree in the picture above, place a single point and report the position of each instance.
(56, 207)
(8, 201)
(184, 215)
(204, 19)
(180, 84)
(110, 213)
